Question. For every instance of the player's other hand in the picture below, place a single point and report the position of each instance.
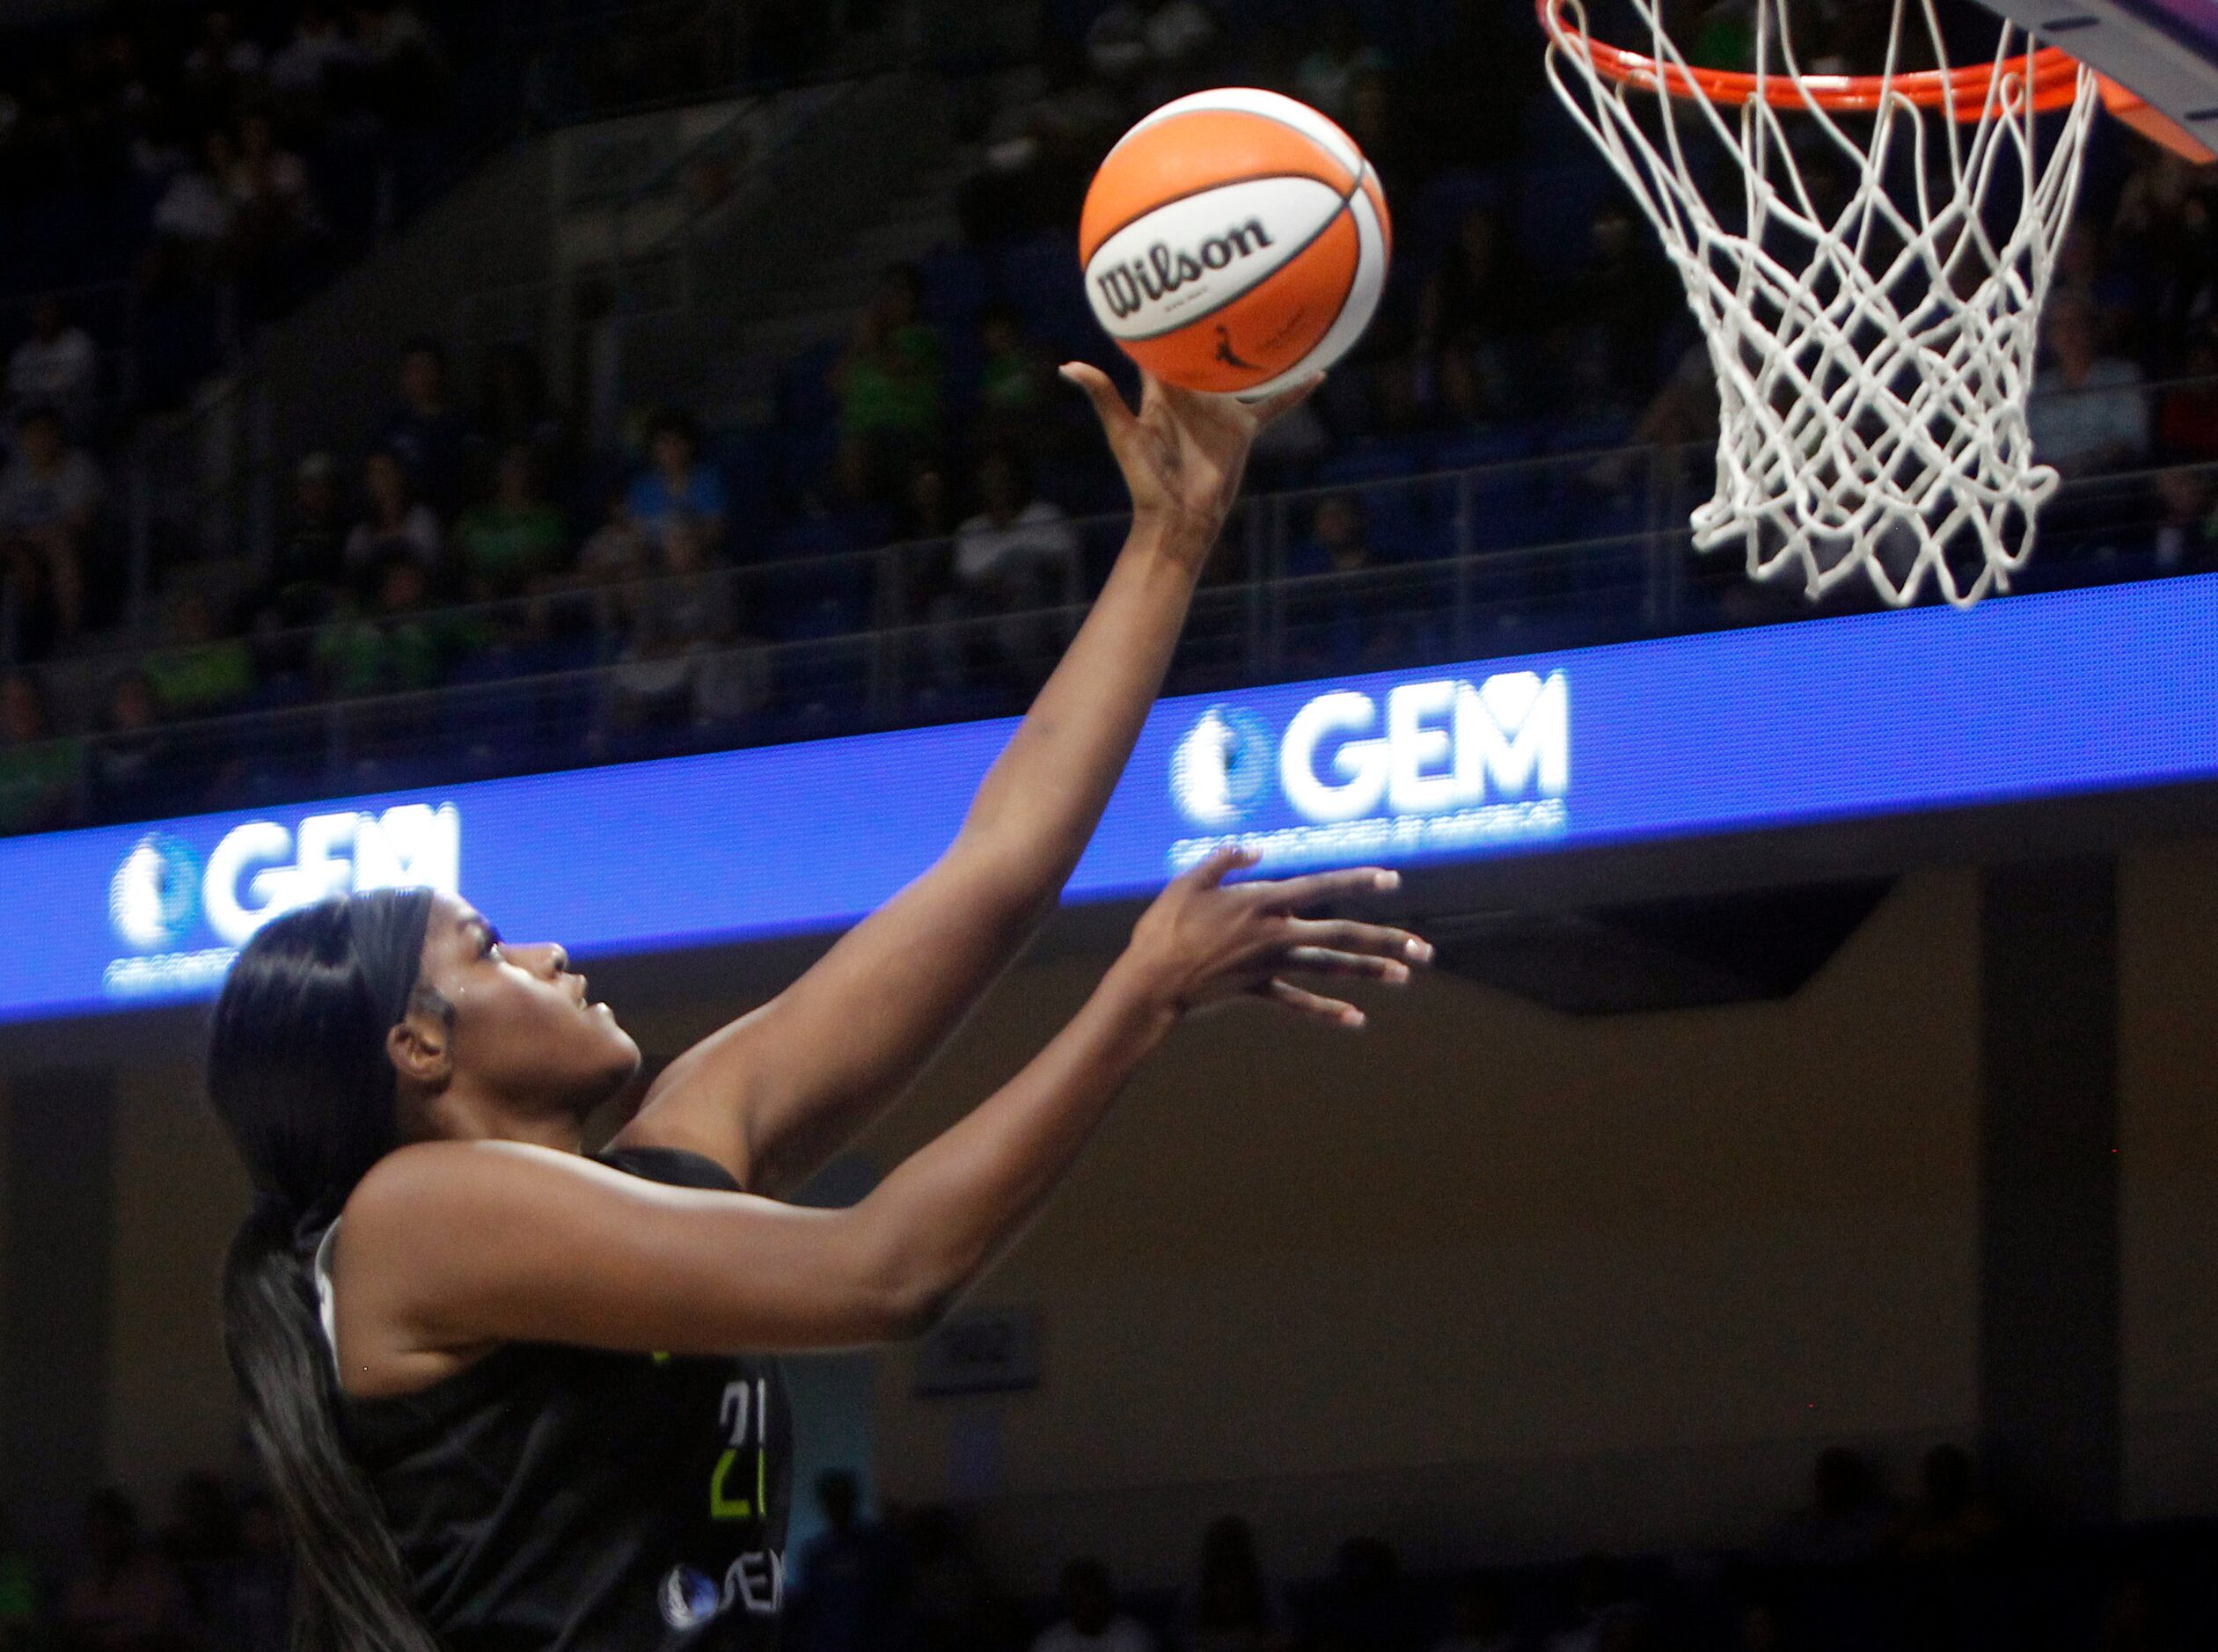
(1204, 940)
(1183, 452)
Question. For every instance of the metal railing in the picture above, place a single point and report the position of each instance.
(1414, 570)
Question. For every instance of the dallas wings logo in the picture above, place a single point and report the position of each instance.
(155, 895)
(1220, 767)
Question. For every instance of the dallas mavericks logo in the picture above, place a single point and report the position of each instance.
(1218, 769)
(155, 895)
(689, 1598)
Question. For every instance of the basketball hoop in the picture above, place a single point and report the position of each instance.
(1873, 353)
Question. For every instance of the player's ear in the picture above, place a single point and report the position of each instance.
(420, 1048)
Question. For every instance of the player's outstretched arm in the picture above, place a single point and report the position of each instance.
(775, 1093)
(591, 1256)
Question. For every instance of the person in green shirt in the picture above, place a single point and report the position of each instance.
(513, 540)
(203, 672)
(399, 644)
(38, 772)
(890, 383)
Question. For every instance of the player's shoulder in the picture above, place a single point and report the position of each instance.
(437, 1183)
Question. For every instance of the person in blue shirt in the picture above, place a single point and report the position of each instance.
(676, 483)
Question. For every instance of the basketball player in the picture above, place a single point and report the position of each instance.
(493, 1378)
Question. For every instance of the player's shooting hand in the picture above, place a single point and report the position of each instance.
(1204, 940)
(1183, 452)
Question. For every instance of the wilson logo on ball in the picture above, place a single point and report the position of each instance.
(1234, 241)
(1126, 288)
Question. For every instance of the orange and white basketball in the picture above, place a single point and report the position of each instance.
(1234, 241)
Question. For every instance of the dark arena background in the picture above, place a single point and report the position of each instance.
(608, 461)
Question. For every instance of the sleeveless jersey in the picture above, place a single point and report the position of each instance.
(560, 1499)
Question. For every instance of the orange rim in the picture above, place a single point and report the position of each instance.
(2050, 74)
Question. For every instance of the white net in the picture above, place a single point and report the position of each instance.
(1871, 329)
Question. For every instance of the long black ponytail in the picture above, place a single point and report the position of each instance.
(297, 1072)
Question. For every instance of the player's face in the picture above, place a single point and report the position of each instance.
(524, 1027)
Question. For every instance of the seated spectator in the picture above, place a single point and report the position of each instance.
(1951, 1519)
(1849, 1520)
(197, 217)
(1015, 378)
(2087, 414)
(432, 437)
(677, 663)
(200, 671)
(1091, 1621)
(396, 642)
(889, 386)
(2186, 536)
(393, 521)
(1233, 1608)
(618, 549)
(1478, 1616)
(2188, 418)
(277, 213)
(1326, 76)
(1366, 1608)
(133, 759)
(676, 483)
(1338, 541)
(50, 499)
(56, 367)
(125, 1596)
(311, 567)
(38, 772)
(1015, 558)
(516, 540)
(846, 1577)
(1474, 311)
(1158, 48)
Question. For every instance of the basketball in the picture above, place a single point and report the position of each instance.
(1234, 241)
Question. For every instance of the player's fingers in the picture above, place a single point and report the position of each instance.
(1330, 960)
(1315, 1005)
(1287, 401)
(1381, 939)
(1219, 865)
(1286, 893)
(1101, 390)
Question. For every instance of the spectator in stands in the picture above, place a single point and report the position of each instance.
(202, 671)
(1327, 76)
(1338, 541)
(265, 1579)
(1017, 556)
(50, 499)
(38, 772)
(1611, 316)
(889, 386)
(1366, 1608)
(846, 1577)
(676, 483)
(1157, 48)
(202, 1541)
(672, 623)
(515, 542)
(1015, 379)
(1091, 1621)
(513, 407)
(56, 367)
(2088, 414)
(395, 642)
(1952, 1519)
(1850, 1519)
(1233, 1608)
(311, 567)
(278, 221)
(2186, 534)
(132, 760)
(432, 437)
(1041, 149)
(197, 217)
(1478, 1616)
(392, 521)
(2188, 418)
(301, 68)
(618, 549)
(125, 1597)
(1474, 311)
